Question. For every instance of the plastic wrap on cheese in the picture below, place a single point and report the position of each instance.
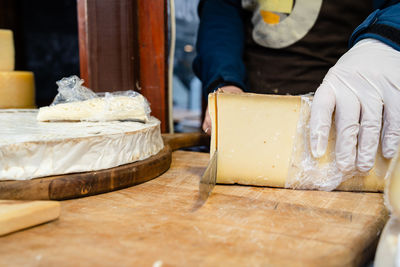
(74, 102)
(30, 149)
(307, 172)
(388, 251)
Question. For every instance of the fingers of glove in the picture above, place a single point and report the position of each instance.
(391, 123)
(321, 118)
(370, 128)
(347, 127)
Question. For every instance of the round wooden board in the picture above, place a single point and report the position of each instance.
(84, 184)
(88, 183)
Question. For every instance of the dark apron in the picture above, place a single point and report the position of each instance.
(301, 67)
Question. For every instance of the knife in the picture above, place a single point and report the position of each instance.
(209, 179)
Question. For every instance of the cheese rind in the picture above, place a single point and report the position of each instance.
(97, 109)
(255, 137)
(17, 89)
(7, 52)
(31, 149)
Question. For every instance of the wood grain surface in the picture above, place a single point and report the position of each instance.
(90, 183)
(16, 215)
(156, 223)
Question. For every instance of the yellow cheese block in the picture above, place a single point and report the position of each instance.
(16, 215)
(17, 89)
(256, 138)
(6, 50)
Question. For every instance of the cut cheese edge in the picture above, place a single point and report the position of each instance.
(7, 52)
(98, 109)
(31, 149)
(255, 137)
(17, 89)
(17, 215)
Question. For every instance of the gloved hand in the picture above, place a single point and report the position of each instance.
(362, 86)
(207, 120)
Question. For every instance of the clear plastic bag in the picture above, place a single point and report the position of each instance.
(71, 89)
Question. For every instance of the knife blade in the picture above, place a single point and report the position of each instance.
(209, 179)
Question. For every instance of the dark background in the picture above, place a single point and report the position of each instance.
(46, 41)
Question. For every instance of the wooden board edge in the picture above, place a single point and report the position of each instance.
(88, 183)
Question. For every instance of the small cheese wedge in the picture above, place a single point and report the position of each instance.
(255, 136)
(98, 109)
(6, 50)
(17, 89)
(16, 215)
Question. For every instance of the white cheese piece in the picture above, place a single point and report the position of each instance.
(98, 109)
(30, 149)
(255, 136)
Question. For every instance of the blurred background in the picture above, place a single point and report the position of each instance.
(46, 42)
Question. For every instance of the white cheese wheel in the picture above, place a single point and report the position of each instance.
(30, 149)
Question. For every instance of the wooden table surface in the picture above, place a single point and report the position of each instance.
(156, 224)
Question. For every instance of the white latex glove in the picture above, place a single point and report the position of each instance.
(363, 84)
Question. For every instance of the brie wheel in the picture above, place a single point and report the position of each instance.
(30, 149)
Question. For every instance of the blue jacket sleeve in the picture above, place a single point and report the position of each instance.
(220, 44)
(383, 25)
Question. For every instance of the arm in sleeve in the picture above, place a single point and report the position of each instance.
(383, 25)
(220, 44)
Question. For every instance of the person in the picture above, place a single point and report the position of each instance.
(286, 47)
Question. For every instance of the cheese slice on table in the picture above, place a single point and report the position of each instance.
(6, 50)
(30, 149)
(97, 109)
(16, 215)
(17, 89)
(258, 142)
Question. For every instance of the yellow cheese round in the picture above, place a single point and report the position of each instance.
(17, 89)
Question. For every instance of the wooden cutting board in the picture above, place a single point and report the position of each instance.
(17, 215)
(90, 183)
(156, 224)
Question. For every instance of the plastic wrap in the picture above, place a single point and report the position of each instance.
(75, 102)
(388, 251)
(71, 89)
(307, 172)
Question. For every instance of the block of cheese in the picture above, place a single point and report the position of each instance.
(17, 89)
(256, 139)
(16, 215)
(98, 109)
(6, 50)
(30, 149)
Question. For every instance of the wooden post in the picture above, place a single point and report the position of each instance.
(123, 46)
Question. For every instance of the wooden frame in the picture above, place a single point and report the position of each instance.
(123, 46)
